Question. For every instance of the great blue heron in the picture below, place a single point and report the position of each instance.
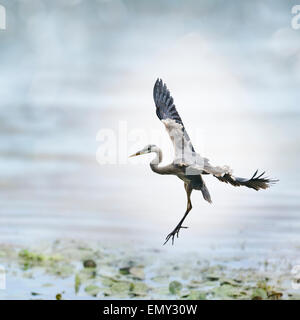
(188, 165)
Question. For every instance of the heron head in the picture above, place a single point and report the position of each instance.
(147, 149)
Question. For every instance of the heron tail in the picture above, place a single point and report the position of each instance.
(205, 193)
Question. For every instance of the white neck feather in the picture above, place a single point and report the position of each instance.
(158, 159)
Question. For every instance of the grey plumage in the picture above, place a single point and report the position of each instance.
(256, 182)
(188, 165)
(165, 107)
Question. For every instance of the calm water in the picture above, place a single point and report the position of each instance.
(52, 187)
(68, 73)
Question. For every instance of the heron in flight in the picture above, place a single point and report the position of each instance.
(188, 165)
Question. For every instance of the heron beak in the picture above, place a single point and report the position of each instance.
(135, 154)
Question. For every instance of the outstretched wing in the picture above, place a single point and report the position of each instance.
(256, 182)
(167, 113)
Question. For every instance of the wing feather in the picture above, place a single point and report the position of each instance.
(166, 110)
(255, 182)
(185, 154)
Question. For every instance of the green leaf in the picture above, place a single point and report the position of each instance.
(137, 272)
(77, 282)
(139, 288)
(212, 277)
(121, 287)
(226, 290)
(196, 295)
(92, 290)
(175, 287)
(259, 294)
(231, 282)
(125, 271)
(108, 281)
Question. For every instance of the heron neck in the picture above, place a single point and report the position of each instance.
(157, 160)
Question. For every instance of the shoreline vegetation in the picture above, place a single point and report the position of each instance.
(75, 270)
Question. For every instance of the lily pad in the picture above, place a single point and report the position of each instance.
(121, 287)
(139, 289)
(259, 294)
(233, 283)
(196, 295)
(212, 277)
(92, 290)
(125, 270)
(226, 291)
(160, 279)
(137, 273)
(108, 281)
(175, 287)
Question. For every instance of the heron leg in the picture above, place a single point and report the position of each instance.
(179, 226)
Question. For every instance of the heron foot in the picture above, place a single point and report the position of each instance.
(174, 233)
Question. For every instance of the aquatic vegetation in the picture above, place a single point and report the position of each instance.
(58, 296)
(30, 259)
(92, 290)
(71, 269)
(89, 263)
(175, 287)
(259, 294)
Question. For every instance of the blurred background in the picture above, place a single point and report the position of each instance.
(71, 69)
